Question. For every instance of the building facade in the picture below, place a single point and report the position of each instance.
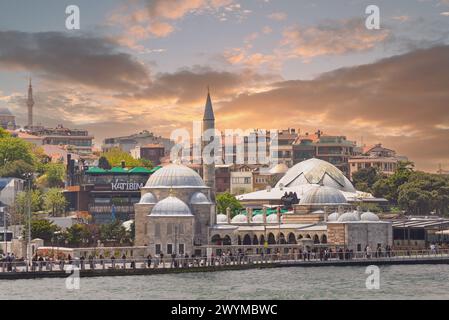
(127, 143)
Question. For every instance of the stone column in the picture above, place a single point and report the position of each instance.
(228, 214)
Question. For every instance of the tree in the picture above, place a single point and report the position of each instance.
(115, 156)
(365, 178)
(4, 133)
(12, 149)
(225, 200)
(103, 163)
(42, 229)
(114, 232)
(78, 235)
(22, 202)
(16, 169)
(55, 201)
(55, 174)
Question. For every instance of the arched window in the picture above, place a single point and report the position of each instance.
(300, 237)
(316, 239)
(246, 240)
(216, 240)
(323, 239)
(255, 240)
(239, 241)
(308, 236)
(262, 239)
(227, 240)
(271, 238)
(291, 238)
(282, 239)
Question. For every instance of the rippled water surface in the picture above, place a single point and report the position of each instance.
(397, 282)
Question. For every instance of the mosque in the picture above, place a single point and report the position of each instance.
(177, 212)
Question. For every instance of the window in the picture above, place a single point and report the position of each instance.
(181, 248)
(158, 248)
(157, 230)
(359, 247)
(169, 248)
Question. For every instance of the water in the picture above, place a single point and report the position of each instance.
(397, 282)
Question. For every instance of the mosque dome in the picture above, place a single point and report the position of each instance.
(175, 176)
(222, 218)
(258, 218)
(323, 195)
(369, 216)
(316, 171)
(171, 206)
(148, 198)
(273, 218)
(199, 198)
(240, 218)
(348, 216)
(333, 217)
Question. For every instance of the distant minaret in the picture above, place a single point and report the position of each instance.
(209, 123)
(30, 104)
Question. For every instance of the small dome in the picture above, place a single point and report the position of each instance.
(199, 198)
(333, 217)
(369, 216)
(148, 198)
(323, 195)
(240, 218)
(174, 176)
(348, 216)
(258, 218)
(171, 206)
(222, 218)
(273, 218)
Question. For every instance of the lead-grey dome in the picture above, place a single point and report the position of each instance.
(199, 198)
(148, 198)
(333, 217)
(369, 216)
(222, 218)
(240, 218)
(171, 206)
(175, 176)
(323, 196)
(348, 217)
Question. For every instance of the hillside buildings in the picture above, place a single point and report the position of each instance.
(127, 143)
(383, 159)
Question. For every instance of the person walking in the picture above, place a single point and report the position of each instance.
(149, 257)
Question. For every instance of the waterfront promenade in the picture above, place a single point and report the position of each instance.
(141, 266)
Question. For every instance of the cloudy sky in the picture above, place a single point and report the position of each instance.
(145, 64)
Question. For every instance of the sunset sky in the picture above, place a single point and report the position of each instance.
(146, 64)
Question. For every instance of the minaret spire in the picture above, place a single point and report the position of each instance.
(209, 124)
(30, 104)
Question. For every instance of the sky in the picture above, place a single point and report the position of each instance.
(308, 65)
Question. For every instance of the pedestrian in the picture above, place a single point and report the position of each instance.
(149, 257)
(113, 262)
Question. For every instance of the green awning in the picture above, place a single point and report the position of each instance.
(95, 170)
(140, 170)
(155, 169)
(118, 170)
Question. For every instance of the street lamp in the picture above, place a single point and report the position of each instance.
(28, 177)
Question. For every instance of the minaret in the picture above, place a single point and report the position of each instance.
(30, 104)
(209, 123)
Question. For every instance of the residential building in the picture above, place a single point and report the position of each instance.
(282, 151)
(75, 140)
(127, 143)
(242, 179)
(152, 152)
(334, 149)
(383, 159)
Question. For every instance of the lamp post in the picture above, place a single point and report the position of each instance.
(28, 177)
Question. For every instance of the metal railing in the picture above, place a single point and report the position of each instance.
(219, 261)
